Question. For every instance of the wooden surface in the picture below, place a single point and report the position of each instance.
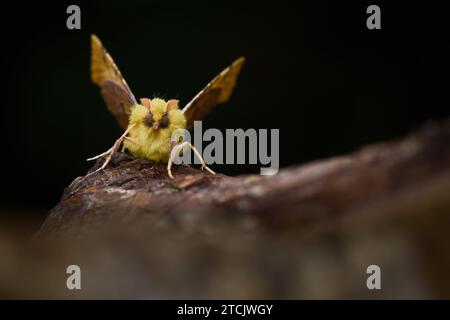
(308, 232)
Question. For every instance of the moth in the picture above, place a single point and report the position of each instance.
(150, 123)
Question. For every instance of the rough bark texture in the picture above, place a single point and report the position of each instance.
(309, 232)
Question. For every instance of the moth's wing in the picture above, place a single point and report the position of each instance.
(217, 91)
(115, 90)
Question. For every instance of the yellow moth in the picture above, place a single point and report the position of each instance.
(149, 125)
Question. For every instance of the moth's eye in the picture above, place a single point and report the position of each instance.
(149, 119)
(164, 122)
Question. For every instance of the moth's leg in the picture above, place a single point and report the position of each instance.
(133, 141)
(177, 148)
(173, 152)
(112, 150)
(204, 166)
(100, 155)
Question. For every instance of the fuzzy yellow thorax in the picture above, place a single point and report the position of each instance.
(145, 142)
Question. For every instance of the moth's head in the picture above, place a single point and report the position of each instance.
(158, 112)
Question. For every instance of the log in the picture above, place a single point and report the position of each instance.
(310, 231)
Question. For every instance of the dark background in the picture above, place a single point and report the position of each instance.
(313, 70)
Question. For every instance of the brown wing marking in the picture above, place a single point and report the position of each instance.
(217, 91)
